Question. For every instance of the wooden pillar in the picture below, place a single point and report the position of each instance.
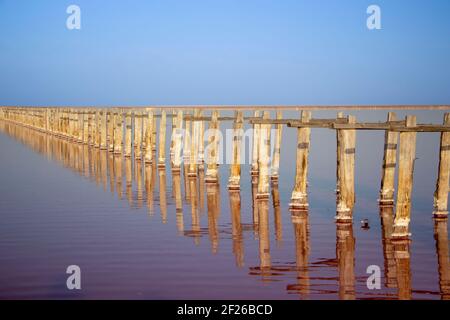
(346, 195)
(118, 132)
(80, 126)
(138, 135)
(255, 147)
(193, 160)
(91, 128)
(128, 128)
(264, 159)
(103, 132)
(389, 164)
(405, 180)
(235, 168)
(277, 149)
(172, 136)
(187, 142)
(201, 145)
(98, 124)
(212, 150)
(162, 141)
(177, 142)
(340, 115)
(442, 185)
(148, 138)
(111, 126)
(299, 198)
(85, 127)
(154, 135)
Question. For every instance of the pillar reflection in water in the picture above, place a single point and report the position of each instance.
(235, 208)
(264, 236)
(213, 203)
(139, 186)
(255, 206)
(387, 227)
(195, 229)
(402, 264)
(148, 176)
(162, 193)
(345, 255)
(277, 214)
(441, 237)
(302, 249)
(176, 185)
(118, 174)
(129, 180)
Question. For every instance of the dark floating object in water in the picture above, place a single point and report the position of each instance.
(365, 224)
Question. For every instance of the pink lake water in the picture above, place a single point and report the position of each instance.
(67, 204)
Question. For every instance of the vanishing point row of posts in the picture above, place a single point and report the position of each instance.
(133, 132)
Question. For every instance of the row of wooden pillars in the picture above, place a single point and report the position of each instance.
(135, 132)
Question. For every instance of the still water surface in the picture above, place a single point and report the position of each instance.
(63, 204)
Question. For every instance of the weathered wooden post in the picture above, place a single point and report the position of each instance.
(162, 140)
(405, 180)
(264, 159)
(80, 126)
(340, 115)
(103, 132)
(299, 198)
(128, 128)
(172, 136)
(213, 143)
(177, 142)
(193, 160)
(442, 185)
(118, 133)
(389, 164)
(111, 126)
(97, 129)
(201, 146)
(154, 135)
(138, 135)
(235, 169)
(277, 149)
(346, 195)
(255, 148)
(148, 138)
(91, 128)
(187, 141)
(85, 127)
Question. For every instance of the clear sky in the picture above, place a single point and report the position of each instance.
(224, 52)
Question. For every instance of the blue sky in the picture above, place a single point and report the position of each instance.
(224, 52)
